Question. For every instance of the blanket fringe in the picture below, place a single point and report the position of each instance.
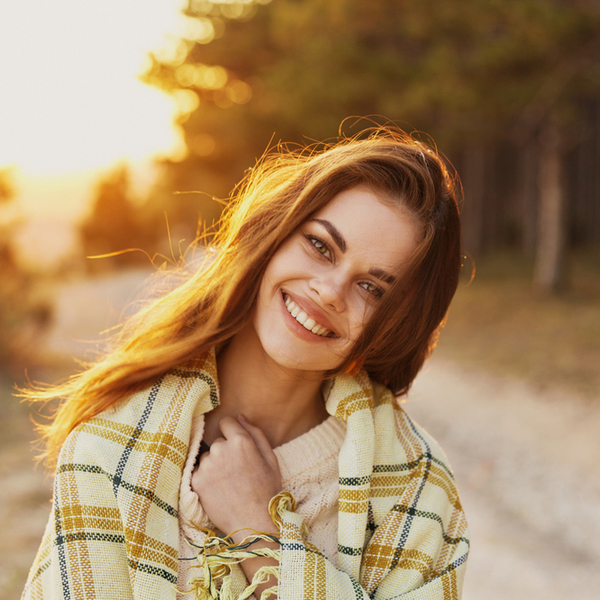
(219, 554)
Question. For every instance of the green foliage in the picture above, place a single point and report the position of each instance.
(462, 70)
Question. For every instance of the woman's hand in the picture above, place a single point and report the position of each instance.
(237, 478)
(235, 481)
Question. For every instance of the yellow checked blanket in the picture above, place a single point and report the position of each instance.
(113, 529)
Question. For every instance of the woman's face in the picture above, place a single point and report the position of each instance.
(326, 280)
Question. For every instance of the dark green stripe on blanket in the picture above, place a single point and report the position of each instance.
(136, 489)
(152, 570)
(89, 536)
(395, 468)
(354, 481)
(349, 551)
(409, 510)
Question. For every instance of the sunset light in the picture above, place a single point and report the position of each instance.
(69, 97)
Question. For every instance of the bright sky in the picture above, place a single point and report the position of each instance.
(70, 103)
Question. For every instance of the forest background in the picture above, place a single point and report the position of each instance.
(508, 89)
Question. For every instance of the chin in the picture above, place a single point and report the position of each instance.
(287, 344)
(300, 360)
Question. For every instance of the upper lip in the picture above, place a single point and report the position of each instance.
(308, 306)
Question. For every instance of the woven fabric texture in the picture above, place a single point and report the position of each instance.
(113, 530)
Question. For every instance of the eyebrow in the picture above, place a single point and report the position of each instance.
(340, 242)
(337, 237)
(381, 274)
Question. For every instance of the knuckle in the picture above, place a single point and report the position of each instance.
(243, 439)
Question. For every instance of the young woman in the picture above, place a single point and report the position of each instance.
(257, 401)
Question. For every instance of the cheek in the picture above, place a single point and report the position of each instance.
(289, 262)
(359, 319)
(273, 275)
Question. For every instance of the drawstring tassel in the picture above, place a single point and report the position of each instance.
(219, 554)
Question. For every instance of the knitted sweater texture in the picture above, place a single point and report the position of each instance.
(114, 528)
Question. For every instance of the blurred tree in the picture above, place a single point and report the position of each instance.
(116, 225)
(473, 73)
(549, 270)
(25, 310)
(11, 279)
(7, 188)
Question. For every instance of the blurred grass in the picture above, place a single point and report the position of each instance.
(497, 324)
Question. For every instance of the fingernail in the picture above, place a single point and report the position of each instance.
(242, 418)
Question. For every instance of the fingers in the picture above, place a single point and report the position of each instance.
(243, 431)
(261, 441)
(238, 477)
(230, 427)
(241, 428)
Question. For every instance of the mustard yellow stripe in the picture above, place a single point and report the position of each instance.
(164, 444)
(394, 481)
(450, 585)
(151, 542)
(358, 402)
(77, 551)
(354, 495)
(128, 431)
(309, 576)
(354, 508)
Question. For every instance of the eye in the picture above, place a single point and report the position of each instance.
(371, 288)
(320, 246)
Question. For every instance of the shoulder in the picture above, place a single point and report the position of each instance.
(154, 421)
(407, 441)
(411, 472)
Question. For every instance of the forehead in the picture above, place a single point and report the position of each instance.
(372, 225)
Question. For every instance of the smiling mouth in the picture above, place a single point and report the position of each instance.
(306, 321)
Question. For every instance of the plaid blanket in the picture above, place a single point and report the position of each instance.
(113, 529)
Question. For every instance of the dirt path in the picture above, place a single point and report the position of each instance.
(526, 464)
(527, 467)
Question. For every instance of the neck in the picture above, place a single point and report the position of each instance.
(284, 403)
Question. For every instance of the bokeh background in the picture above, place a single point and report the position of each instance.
(124, 127)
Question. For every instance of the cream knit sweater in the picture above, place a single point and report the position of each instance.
(309, 470)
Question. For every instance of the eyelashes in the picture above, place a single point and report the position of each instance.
(372, 289)
(322, 248)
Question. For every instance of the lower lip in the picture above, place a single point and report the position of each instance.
(300, 330)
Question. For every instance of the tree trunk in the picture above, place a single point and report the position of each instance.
(549, 267)
(529, 189)
(473, 179)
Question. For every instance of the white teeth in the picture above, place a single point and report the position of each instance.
(304, 320)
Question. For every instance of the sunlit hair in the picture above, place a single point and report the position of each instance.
(274, 199)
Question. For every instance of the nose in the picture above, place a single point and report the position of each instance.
(330, 292)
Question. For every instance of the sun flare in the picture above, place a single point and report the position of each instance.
(69, 97)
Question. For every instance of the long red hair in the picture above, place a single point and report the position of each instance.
(274, 199)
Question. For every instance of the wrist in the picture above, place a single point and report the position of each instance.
(264, 524)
